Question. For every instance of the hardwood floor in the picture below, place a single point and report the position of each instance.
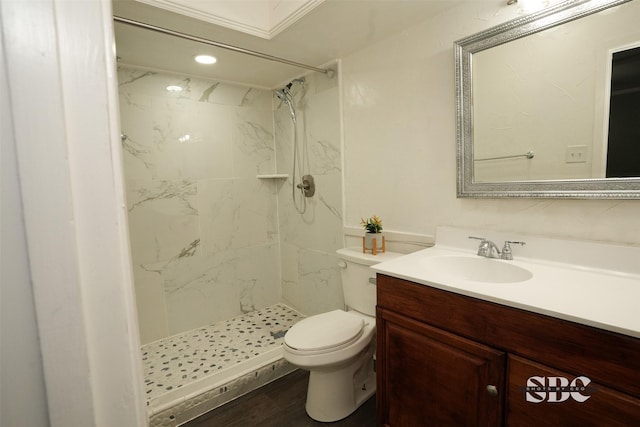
(279, 404)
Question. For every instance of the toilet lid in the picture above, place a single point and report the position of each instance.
(324, 331)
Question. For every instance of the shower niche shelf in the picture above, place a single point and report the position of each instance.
(273, 176)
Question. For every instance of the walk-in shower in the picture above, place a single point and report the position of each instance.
(210, 220)
(301, 182)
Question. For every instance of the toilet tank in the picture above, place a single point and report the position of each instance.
(359, 291)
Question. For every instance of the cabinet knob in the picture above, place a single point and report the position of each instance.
(492, 390)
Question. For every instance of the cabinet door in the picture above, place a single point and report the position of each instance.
(429, 377)
(546, 399)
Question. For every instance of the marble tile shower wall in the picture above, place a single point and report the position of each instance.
(310, 277)
(203, 230)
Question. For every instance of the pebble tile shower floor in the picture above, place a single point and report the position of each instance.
(193, 357)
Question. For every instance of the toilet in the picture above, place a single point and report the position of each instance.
(338, 347)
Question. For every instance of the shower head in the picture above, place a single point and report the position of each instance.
(284, 96)
(290, 84)
(287, 88)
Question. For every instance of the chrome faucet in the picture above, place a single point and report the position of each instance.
(487, 248)
(506, 249)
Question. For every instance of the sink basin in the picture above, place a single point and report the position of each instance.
(477, 269)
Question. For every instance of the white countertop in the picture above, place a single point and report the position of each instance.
(590, 295)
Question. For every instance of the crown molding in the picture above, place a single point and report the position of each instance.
(267, 29)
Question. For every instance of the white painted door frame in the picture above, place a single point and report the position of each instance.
(60, 63)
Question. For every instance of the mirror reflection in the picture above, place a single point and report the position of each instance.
(623, 148)
(541, 102)
(547, 104)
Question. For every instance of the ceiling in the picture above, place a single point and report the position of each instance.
(333, 29)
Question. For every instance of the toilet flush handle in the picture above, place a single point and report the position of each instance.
(342, 264)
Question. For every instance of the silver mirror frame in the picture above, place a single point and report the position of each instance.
(610, 188)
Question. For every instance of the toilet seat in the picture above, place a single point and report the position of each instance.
(324, 333)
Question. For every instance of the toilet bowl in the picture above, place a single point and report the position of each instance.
(338, 347)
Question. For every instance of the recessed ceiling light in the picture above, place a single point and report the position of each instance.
(205, 59)
(174, 88)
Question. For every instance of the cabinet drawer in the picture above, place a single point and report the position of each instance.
(539, 406)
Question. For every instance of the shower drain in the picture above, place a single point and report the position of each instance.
(277, 335)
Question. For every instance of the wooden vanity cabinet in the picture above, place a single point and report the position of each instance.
(449, 360)
(430, 374)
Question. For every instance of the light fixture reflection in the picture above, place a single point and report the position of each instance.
(205, 59)
(174, 88)
(530, 6)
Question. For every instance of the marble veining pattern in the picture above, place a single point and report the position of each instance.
(188, 251)
(206, 235)
(135, 75)
(182, 191)
(173, 362)
(207, 92)
(330, 208)
(196, 209)
(310, 279)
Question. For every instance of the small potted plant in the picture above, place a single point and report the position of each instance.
(373, 228)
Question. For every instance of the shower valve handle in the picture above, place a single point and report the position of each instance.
(307, 186)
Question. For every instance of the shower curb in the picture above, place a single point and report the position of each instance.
(196, 406)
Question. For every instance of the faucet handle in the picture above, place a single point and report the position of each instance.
(483, 249)
(506, 249)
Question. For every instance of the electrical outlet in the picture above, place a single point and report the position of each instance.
(576, 154)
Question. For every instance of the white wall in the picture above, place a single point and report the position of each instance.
(56, 53)
(23, 398)
(399, 121)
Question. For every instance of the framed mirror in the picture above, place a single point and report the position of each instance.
(548, 105)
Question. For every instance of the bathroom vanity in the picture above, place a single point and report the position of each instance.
(457, 353)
